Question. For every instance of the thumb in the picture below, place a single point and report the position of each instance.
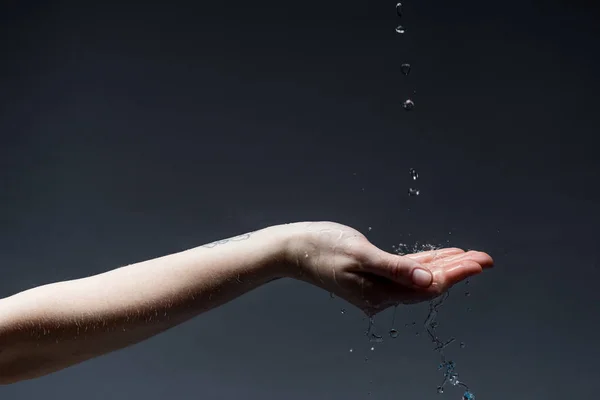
(399, 269)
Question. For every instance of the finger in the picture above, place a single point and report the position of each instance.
(399, 269)
(483, 259)
(428, 256)
(456, 272)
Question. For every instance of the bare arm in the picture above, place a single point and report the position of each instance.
(51, 327)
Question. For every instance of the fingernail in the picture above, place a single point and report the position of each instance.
(422, 277)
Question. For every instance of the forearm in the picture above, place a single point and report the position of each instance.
(51, 327)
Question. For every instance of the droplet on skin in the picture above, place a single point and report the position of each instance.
(400, 29)
(408, 105)
(405, 68)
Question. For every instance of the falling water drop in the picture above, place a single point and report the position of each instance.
(399, 9)
(343, 310)
(351, 350)
(454, 380)
(414, 174)
(394, 333)
(440, 389)
(370, 229)
(413, 192)
(400, 29)
(405, 68)
(462, 345)
(408, 105)
(468, 396)
(375, 338)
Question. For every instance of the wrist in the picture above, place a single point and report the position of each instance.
(290, 242)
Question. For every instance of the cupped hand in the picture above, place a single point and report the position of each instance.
(341, 260)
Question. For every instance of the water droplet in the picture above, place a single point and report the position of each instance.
(413, 192)
(376, 338)
(408, 105)
(351, 350)
(394, 333)
(468, 396)
(343, 310)
(400, 29)
(405, 68)
(370, 229)
(366, 359)
(372, 348)
(440, 389)
(399, 9)
(467, 294)
(414, 174)
(454, 380)
(462, 345)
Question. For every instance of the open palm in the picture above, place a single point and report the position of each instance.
(341, 260)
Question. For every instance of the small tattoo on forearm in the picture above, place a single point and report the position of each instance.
(238, 238)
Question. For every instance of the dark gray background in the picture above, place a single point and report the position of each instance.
(133, 131)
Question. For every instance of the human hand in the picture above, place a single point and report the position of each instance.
(342, 261)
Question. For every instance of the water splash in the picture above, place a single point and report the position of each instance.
(430, 324)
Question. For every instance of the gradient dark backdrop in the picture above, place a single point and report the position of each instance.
(133, 131)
